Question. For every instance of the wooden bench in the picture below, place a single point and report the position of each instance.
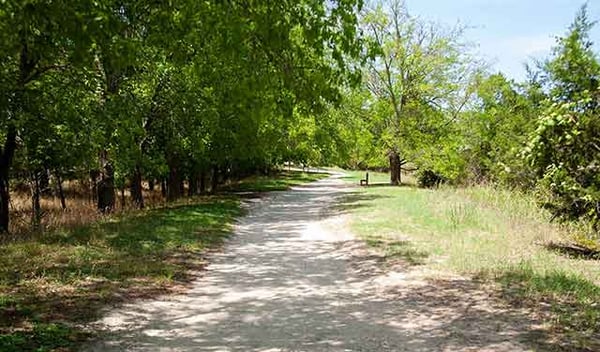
(365, 182)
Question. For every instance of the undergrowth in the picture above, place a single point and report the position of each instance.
(51, 284)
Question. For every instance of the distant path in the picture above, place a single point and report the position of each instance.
(292, 279)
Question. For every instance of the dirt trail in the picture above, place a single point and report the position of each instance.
(293, 279)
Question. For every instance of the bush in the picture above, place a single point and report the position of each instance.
(429, 179)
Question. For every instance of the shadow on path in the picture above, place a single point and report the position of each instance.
(287, 282)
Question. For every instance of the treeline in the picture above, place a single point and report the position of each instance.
(428, 104)
(128, 93)
(131, 92)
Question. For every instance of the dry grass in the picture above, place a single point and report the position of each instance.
(489, 234)
(81, 209)
(52, 283)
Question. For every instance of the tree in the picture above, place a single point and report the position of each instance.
(418, 77)
(495, 130)
(564, 149)
(38, 38)
(124, 91)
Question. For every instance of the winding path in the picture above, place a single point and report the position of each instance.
(293, 279)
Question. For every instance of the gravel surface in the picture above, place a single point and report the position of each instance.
(294, 279)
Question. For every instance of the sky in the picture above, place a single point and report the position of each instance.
(509, 33)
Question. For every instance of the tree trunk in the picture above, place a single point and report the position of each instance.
(44, 182)
(122, 197)
(94, 174)
(193, 185)
(214, 180)
(395, 168)
(6, 158)
(181, 186)
(106, 186)
(4, 201)
(163, 187)
(61, 192)
(202, 182)
(174, 184)
(26, 66)
(136, 188)
(151, 185)
(36, 216)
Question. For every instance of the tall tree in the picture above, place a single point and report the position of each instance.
(37, 38)
(565, 147)
(418, 74)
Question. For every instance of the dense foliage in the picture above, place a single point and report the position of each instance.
(427, 104)
(120, 93)
(564, 149)
(187, 94)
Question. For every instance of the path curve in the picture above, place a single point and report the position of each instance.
(291, 280)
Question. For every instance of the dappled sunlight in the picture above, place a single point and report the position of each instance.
(294, 279)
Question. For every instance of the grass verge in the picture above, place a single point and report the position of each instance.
(281, 181)
(489, 234)
(51, 285)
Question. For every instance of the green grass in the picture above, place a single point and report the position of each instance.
(67, 277)
(489, 234)
(374, 177)
(51, 284)
(280, 181)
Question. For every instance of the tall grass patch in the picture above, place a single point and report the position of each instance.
(487, 233)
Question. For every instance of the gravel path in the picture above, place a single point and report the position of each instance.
(293, 279)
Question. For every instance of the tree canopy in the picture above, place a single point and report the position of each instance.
(127, 91)
(188, 94)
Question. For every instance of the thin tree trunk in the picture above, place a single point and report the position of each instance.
(151, 185)
(214, 180)
(395, 168)
(106, 187)
(163, 187)
(6, 157)
(61, 192)
(36, 216)
(122, 197)
(136, 188)
(44, 181)
(174, 184)
(4, 201)
(181, 186)
(94, 174)
(202, 182)
(193, 185)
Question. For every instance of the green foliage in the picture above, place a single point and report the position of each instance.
(495, 132)
(424, 97)
(170, 90)
(573, 68)
(415, 86)
(564, 148)
(564, 151)
(428, 179)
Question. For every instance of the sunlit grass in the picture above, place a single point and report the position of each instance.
(490, 234)
(375, 177)
(50, 283)
(67, 276)
(281, 181)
